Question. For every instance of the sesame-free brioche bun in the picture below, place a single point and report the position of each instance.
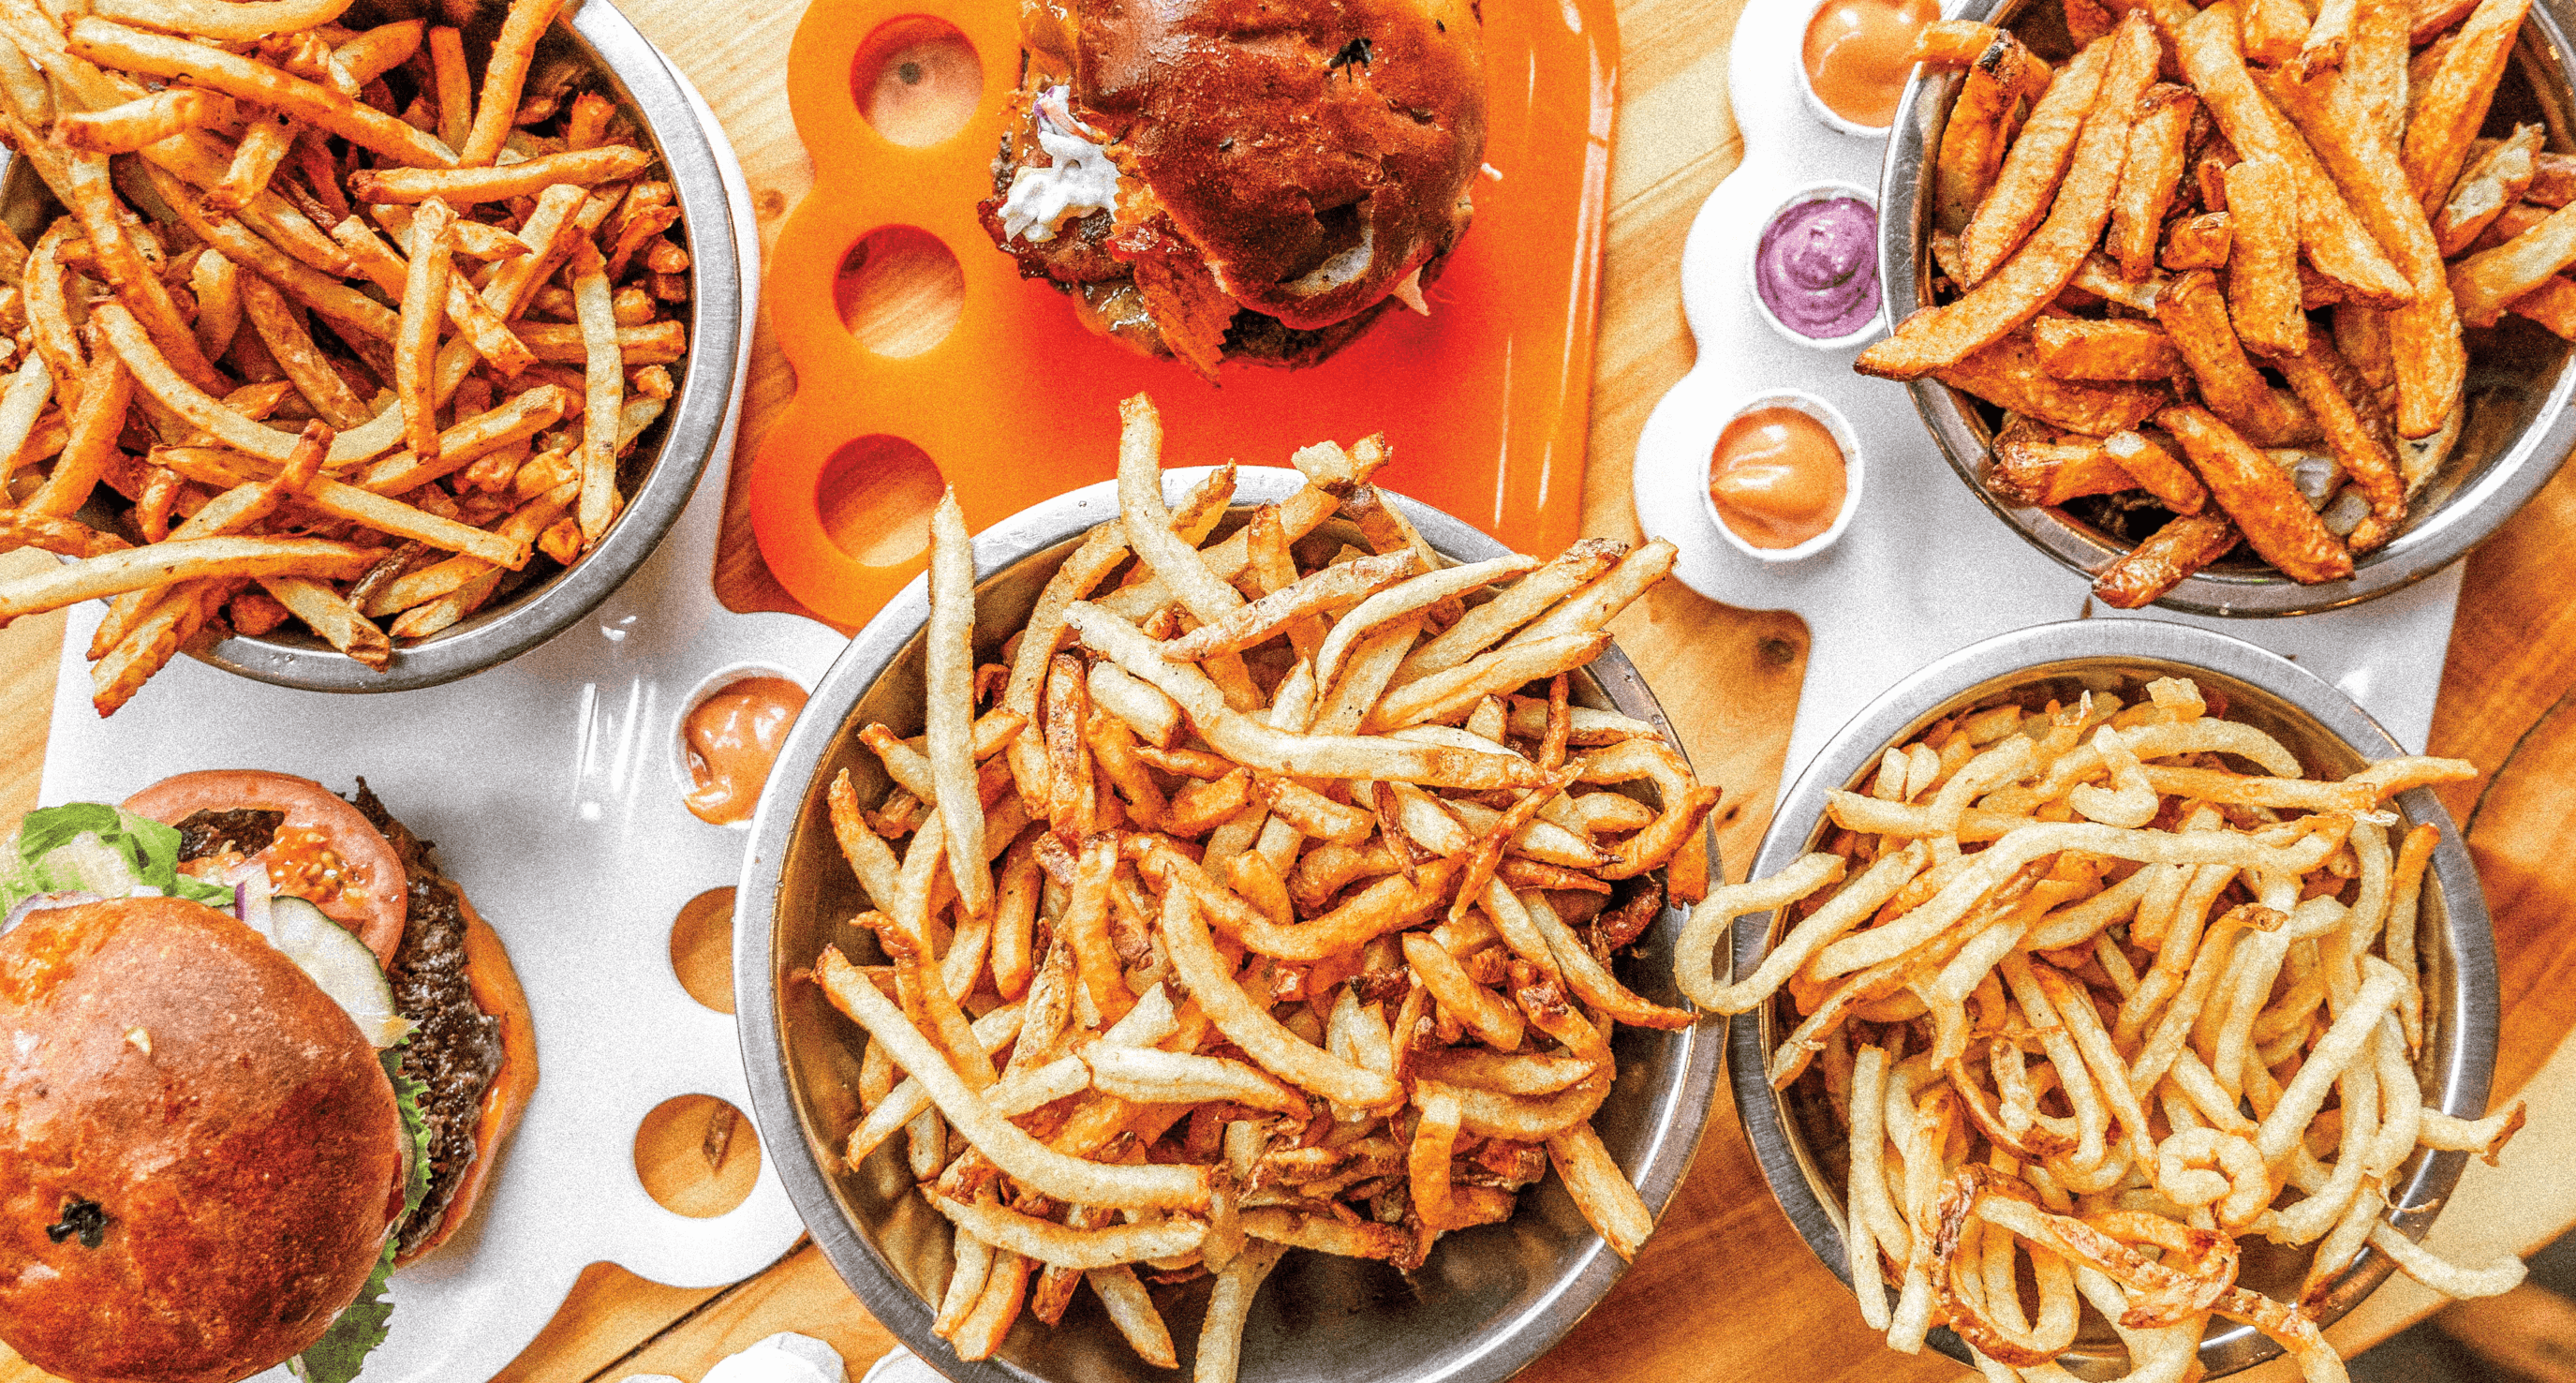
(200, 1154)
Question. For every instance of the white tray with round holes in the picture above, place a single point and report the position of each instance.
(1924, 569)
(552, 787)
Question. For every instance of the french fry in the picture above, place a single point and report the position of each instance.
(228, 20)
(141, 121)
(337, 620)
(245, 79)
(85, 188)
(1972, 144)
(950, 707)
(2432, 363)
(1934, 338)
(2031, 169)
(2493, 181)
(2074, 348)
(291, 346)
(135, 569)
(2262, 269)
(2203, 242)
(424, 302)
(503, 77)
(2009, 375)
(2356, 445)
(2157, 144)
(96, 420)
(2331, 236)
(2193, 312)
(467, 185)
(2258, 497)
(2454, 103)
(475, 320)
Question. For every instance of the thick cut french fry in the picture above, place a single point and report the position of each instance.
(1934, 338)
(2432, 362)
(2032, 168)
(2193, 312)
(2075, 348)
(2157, 144)
(2258, 495)
(2263, 261)
(2008, 374)
(2454, 103)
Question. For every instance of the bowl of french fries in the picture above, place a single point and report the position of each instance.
(2112, 995)
(2233, 310)
(352, 347)
(1202, 1004)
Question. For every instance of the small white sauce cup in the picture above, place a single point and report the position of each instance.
(1807, 86)
(709, 687)
(1854, 471)
(1814, 192)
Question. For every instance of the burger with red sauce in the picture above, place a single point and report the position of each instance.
(256, 1051)
(1217, 180)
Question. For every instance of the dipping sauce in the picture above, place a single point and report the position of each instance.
(733, 739)
(1859, 53)
(1776, 477)
(1816, 267)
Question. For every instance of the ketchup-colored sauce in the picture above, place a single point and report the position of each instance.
(733, 739)
(1859, 53)
(1777, 477)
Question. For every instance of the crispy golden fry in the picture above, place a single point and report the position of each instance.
(2009, 375)
(20, 528)
(604, 390)
(2075, 348)
(2357, 446)
(2256, 494)
(2032, 169)
(503, 77)
(291, 346)
(228, 20)
(2203, 242)
(581, 167)
(1935, 338)
(2276, 31)
(135, 569)
(2432, 363)
(2454, 103)
(101, 41)
(144, 120)
(2332, 237)
(327, 613)
(2263, 258)
(2028, 471)
(2193, 312)
(2156, 471)
(2494, 180)
(474, 318)
(2486, 284)
(2148, 179)
(1972, 145)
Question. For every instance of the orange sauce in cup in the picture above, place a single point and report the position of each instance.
(1777, 477)
(733, 739)
(1859, 53)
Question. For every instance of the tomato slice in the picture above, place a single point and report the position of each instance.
(325, 851)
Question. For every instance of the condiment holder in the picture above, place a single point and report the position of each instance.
(1831, 118)
(1845, 440)
(1827, 191)
(708, 688)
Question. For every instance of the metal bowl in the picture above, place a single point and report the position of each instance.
(1491, 1300)
(1794, 1134)
(657, 477)
(2516, 433)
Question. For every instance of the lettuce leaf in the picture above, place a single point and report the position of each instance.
(95, 848)
(342, 1351)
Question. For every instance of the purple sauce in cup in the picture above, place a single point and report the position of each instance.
(1816, 267)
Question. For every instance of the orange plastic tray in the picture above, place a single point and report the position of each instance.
(1484, 402)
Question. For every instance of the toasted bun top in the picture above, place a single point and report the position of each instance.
(1314, 152)
(233, 1130)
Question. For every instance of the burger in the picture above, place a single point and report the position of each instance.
(256, 1051)
(1220, 180)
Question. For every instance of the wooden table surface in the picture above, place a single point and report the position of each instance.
(1725, 1286)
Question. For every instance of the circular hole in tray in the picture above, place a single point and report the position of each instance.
(702, 948)
(917, 80)
(875, 496)
(899, 290)
(697, 1156)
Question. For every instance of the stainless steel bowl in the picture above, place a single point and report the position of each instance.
(2516, 434)
(1794, 1134)
(1491, 1300)
(657, 477)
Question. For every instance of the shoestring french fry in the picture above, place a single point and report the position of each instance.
(1257, 930)
(246, 151)
(2089, 1002)
(2336, 167)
